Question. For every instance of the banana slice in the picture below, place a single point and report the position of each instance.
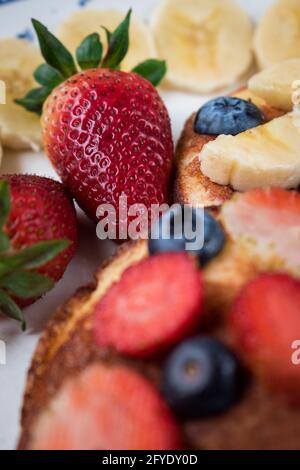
(84, 22)
(274, 84)
(247, 95)
(266, 156)
(277, 37)
(207, 43)
(19, 129)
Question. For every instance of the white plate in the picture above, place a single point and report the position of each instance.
(15, 19)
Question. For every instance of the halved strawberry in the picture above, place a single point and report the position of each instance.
(266, 223)
(106, 408)
(266, 323)
(155, 304)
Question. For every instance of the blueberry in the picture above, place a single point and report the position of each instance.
(171, 235)
(168, 231)
(214, 239)
(202, 377)
(227, 115)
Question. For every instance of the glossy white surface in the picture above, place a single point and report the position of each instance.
(15, 18)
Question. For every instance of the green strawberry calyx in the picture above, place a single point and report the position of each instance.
(61, 65)
(18, 275)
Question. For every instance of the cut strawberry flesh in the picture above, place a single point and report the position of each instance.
(107, 408)
(266, 323)
(155, 304)
(267, 224)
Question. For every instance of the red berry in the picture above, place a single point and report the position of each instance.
(107, 408)
(108, 133)
(266, 323)
(265, 222)
(41, 210)
(156, 303)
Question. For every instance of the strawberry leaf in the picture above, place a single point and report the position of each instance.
(108, 34)
(61, 65)
(3, 269)
(152, 69)
(48, 76)
(35, 256)
(89, 53)
(4, 202)
(4, 242)
(4, 213)
(54, 52)
(118, 44)
(10, 309)
(34, 100)
(26, 285)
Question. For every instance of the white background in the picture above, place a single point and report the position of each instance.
(14, 18)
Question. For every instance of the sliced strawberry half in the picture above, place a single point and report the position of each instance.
(155, 304)
(266, 323)
(266, 223)
(107, 408)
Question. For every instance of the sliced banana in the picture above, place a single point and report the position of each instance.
(19, 54)
(247, 95)
(19, 129)
(274, 84)
(296, 98)
(266, 156)
(84, 22)
(207, 43)
(277, 37)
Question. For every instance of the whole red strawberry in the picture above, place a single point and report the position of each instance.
(106, 132)
(38, 237)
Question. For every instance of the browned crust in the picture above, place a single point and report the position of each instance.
(191, 186)
(41, 383)
(258, 422)
(64, 336)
